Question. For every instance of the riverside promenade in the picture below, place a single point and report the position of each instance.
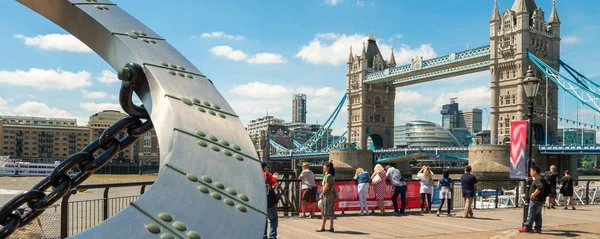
(491, 223)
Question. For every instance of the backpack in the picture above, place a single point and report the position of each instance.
(547, 186)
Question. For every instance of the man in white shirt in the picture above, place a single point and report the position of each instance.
(309, 189)
(399, 186)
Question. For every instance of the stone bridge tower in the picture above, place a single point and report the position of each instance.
(370, 107)
(520, 28)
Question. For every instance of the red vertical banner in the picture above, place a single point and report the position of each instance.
(518, 144)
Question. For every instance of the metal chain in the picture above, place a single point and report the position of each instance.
(59, 179)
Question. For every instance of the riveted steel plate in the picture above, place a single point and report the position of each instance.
(210, 183)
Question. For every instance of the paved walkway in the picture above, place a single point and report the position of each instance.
(497, 223)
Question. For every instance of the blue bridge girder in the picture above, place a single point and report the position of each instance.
(570, 149)
(459, 63)
(383, 155)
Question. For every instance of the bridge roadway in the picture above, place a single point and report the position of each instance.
(495, 223)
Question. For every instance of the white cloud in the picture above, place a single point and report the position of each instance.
(398, 36)
(55, 42)
(333, 2)
(107, 77)
(467, 98)
(332, 49)
(405, 115)
(82, 120)
(222, 35)
(228, 52)
(360, 3)
(32, 96)
(238, 55)
(98, 107)
(570, 40)
(267, 91)
(97, 95)
(261, 90)
(46, 79)
(266, 58)
(321, 92)
(407, 97)
(34, 108)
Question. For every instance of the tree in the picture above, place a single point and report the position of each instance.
(585, 164)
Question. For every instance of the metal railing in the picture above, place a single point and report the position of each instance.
(77, 216)
(491, 194)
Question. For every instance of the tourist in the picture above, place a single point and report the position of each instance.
(426, 180)
(536, 202)
(328, 196)
(399, 186)
(445, 185)
(362, 179)
(309, 189)
(566, 189)
(468, 182)
(378, 180)
(272, 210)
(552, 179)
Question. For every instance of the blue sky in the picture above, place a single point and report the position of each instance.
(258, 53)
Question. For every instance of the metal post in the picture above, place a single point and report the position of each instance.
(517, 197)
(64, 215)
(497, 192)
(105, 203)
(529, 160)
(564, 120)
(546, 131)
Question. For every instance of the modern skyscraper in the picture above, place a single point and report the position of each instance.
(299, 108)
(471, 120)
(450, 115)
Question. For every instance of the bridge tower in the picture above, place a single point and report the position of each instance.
(370, 106)
(520, 28)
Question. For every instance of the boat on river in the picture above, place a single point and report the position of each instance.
(17, 167)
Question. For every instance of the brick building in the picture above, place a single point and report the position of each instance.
(51, 139)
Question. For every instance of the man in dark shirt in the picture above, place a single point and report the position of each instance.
(553, 180)
(536, 202)
(468, 182)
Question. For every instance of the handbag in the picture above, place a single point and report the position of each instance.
(376, 179)
(271, 195)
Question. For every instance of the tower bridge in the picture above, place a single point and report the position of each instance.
(520, 39)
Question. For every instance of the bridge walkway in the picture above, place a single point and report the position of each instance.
(486, 222)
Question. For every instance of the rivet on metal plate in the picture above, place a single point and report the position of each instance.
(165, 216)
(229, 202)
(206, 179)
(231, 191)
(244, 197)
(219, 185)
(186, 101)
(227, 152)
(200, 133)
(166, 236)
(215, 148)
(193, 235)
(202, 143)
(153, 228)
(203, 189)
(216, 195)
(179, 226)
(192, 177)
(238, 157)
(241, 208)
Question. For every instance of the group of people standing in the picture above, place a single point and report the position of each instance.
(541, 186)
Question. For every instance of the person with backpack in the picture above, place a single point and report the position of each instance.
(271, 185)
(536, 202)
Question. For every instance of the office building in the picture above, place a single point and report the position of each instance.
(462, 135)
(572, 136)
(453, 118)
(450, 115)
(299, 108)
(53, 139)
(261, 124)
(471, 120)
(428, 134)
(400, 140)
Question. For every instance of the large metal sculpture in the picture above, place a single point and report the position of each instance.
(210, 183)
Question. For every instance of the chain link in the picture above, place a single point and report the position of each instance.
(85, 161)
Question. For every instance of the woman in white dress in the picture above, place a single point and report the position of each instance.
(426, 178)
